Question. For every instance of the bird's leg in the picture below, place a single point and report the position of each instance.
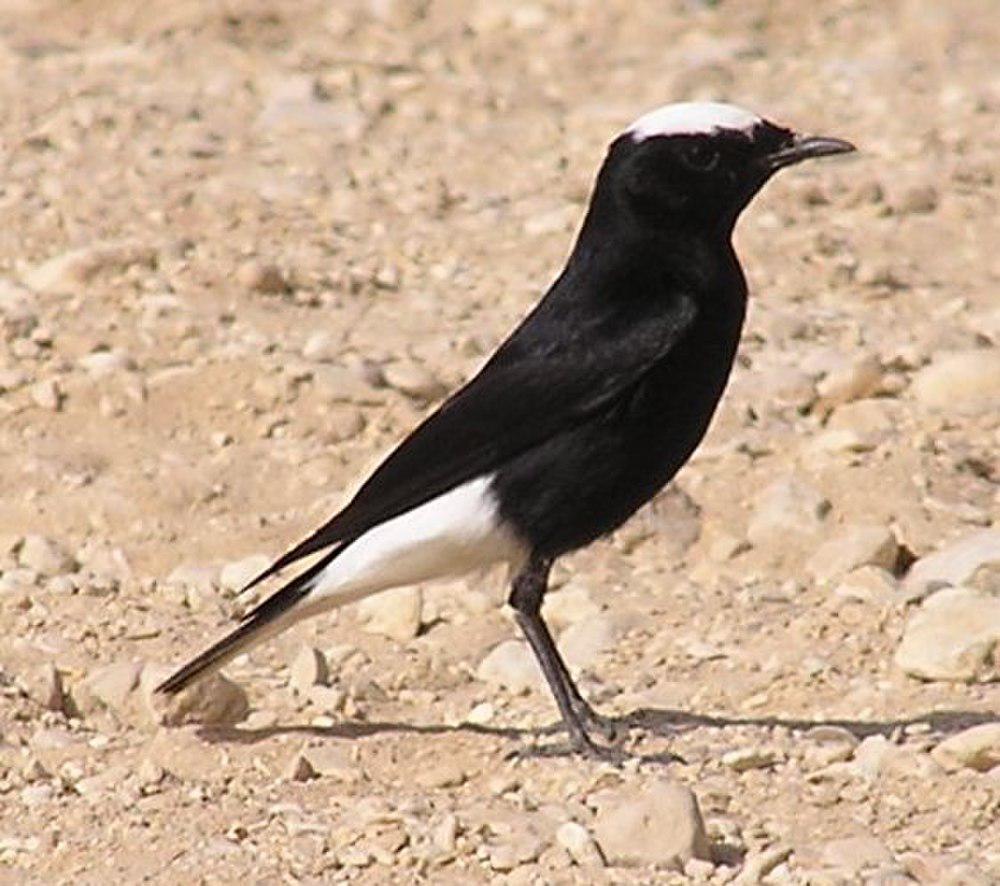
(599, 723)
(526, 599)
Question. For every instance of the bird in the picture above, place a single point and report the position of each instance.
(582, 415)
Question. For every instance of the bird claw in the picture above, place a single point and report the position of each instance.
(606, 727)
(586, 747)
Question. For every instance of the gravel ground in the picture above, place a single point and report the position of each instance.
(247, 245)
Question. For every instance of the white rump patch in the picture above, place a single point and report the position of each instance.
(457, 532)
(692, 118)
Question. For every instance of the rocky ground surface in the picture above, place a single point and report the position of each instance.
(247, 245)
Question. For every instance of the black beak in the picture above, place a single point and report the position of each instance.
(805, 147)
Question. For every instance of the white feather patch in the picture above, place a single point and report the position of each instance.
(692, 118)
(457, 532)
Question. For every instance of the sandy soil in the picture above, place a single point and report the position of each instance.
(246, 245)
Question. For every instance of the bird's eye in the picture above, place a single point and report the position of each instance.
(699, 156)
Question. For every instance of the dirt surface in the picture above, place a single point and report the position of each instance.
(246, 245)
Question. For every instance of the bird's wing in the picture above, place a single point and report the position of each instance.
(520, 398)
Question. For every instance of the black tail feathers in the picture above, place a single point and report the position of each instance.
(259, 624)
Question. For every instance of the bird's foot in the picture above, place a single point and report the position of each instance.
(585, 746)
(607, 727)
(582, 745)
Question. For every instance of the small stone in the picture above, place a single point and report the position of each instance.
(103, 782)
(66, 273)
(342, 422)
(260, 719)
(745, 759)
(872, 755)
(953, 564)
(582, 848)
(953, 636)
(237, 574)
(787, 507)
(202, 579)
(394, 613)
(294, 103)
(299, 769)
(263, 277)
(512, 665)
(52, 740)
(524, 848)
(47, 394)
(62, 585)
(104, 559)
(480, 714)
(871, 584)
(110, 687)
(854, 854)
(37, 794)
(672, 520)
(838, 441)
(889, 876)
(33, 770)
(149, 773)
(827, 745)
(502, 858)
(725, 547)
(879, 274)
(698, 870)
(585, 641)
(445, 833)
(328, 761)
(918, 199)
(787, 387)
(45, 686)
(329, 699)
(414, 380)
(446, 774)
(975, 748)
(759, 864)
(851, 548)
(660, 825)
(387, 277)
(214, 700)
(855, 380)
(186, 755)
(944, 870)
(44, 556)
(568, 606)
(308, 669)
(12, 379)
(17, 308)
(870, 420)
(965, 380)
(338, 384)
(322, 347)
(102, 363)
(352, 857)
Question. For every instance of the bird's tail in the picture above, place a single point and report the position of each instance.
(279, 611)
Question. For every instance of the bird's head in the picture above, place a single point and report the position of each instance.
(699, 163)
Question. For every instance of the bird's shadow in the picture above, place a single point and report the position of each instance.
(659, 722)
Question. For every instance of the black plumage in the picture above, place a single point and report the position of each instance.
(596, 400)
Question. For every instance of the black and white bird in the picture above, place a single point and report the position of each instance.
(582, 415)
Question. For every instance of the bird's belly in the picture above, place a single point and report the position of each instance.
(590, 479)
